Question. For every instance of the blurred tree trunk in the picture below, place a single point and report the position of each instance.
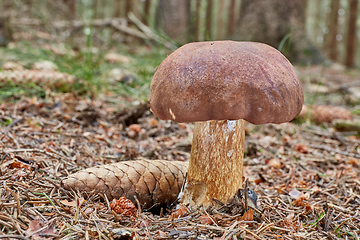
(278, 23)
(147, 12)
(175, 18)
(209, 15)
(231, 21)
(219, 34)
(331, 45)
(71, 8)
(197, 24)
(118, 5)
(352, 39)
(5, 29)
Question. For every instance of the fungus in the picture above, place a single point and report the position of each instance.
(218, 85)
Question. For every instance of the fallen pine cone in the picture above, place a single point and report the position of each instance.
(324, 113)
(48, 78)
(151, 181)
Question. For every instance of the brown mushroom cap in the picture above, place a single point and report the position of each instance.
(226, 80)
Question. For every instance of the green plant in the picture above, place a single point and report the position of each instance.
(321, 216)
(285, 48)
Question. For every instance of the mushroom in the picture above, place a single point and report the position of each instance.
(218, 85)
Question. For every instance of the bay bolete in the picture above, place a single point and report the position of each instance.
(218, 85)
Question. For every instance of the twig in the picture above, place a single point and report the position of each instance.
(248, 231)
(150, 33)
(16, 197)
(13, 236)
(340, 208)
(7, 129)
(263, 228)
(335, 151)
(246, 194)
(56, 155)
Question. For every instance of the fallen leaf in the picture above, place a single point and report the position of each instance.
(301, 148)
(205, 219)
(294, 193)
(145, 223)
(162, 234)
(117, 58)
(275, 163)
(154, 122)
(19, 165)
(180, 211)
(35, 225)
(259, 180)
(77, 202)
(286, 139)
(248, 215)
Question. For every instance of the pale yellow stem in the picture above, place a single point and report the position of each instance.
(216, 162)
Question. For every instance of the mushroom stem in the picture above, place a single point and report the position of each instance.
(216, 162)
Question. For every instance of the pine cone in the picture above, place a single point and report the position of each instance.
(325, 113)
(151, 181)
(48, 78)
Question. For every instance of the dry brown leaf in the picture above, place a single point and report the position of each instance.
(248, 215)
(145, 223)
(117, 58)
(180, 211)
(162, 234)
(301, 148)
(275, 163)
(77, 202)
(205, 219)
(35, 225)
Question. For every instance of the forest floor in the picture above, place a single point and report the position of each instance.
(306, 176)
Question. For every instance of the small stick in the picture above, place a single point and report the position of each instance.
(246, 194)
(248, 231)
(138, 204)
(16, 197)
(335, 151)
(13, 236)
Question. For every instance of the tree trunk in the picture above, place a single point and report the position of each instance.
(118, 5)
(278, 23)
(231, 21)
(219, 34)
(197, 24)
(333, 30)
(175, 18)
(352, 39)
(71, 8)
(146, 15)
(209, 14)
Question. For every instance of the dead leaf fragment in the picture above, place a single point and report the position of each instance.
(77, 202)
(248, 215)
(180, 211)
(275, 163)
(145, 223)
(205, 219)
(301, 148)
(47, 233)
(117, 58)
